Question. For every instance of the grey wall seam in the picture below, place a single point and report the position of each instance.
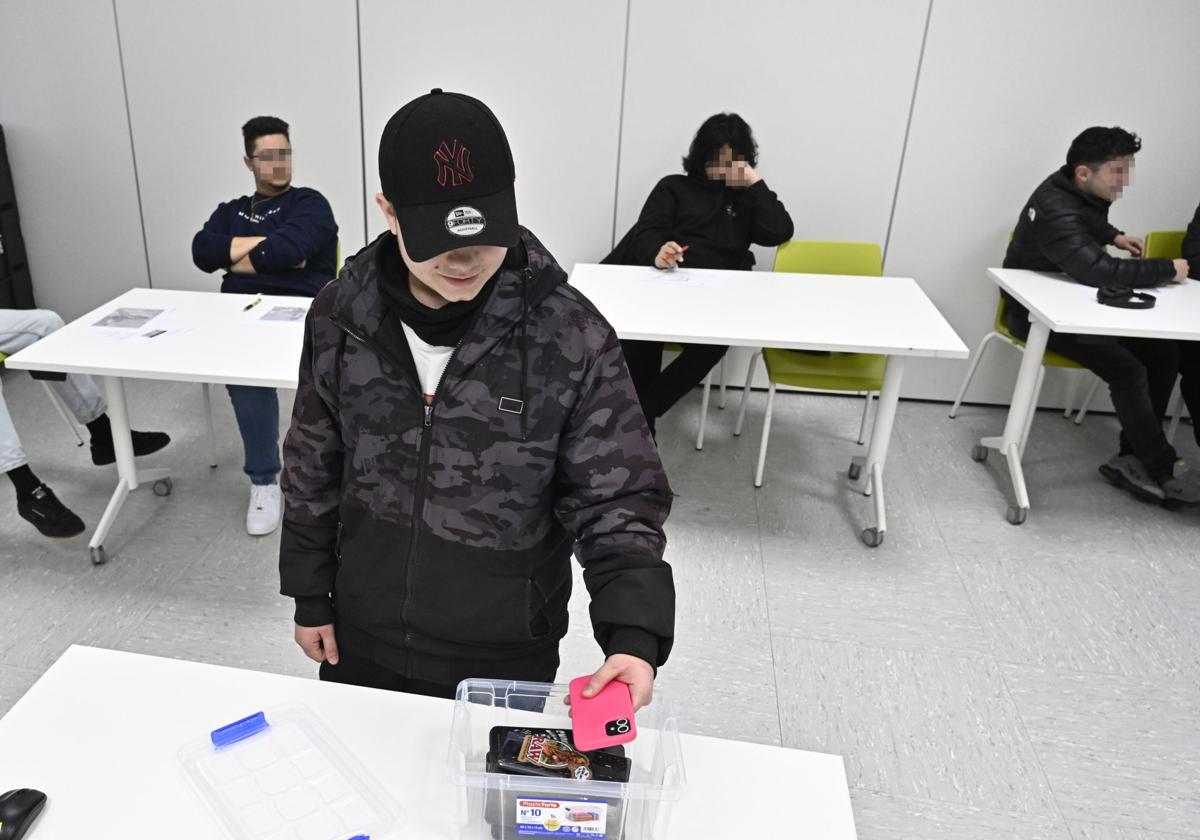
(621, 123)
(137, 184)
(887, 240)
(362, 123)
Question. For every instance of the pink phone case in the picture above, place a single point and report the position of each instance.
(606, 719)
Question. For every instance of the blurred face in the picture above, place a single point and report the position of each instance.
(719, 163)
(1108, 180)
(451, 276)
(271, 163)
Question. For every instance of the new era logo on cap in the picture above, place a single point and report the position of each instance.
(446, 167)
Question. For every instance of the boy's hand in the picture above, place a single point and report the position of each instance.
(669, 256)
(1181, 271)
(1130, 244)
(318, 643)
(740, 175)
(634, 672)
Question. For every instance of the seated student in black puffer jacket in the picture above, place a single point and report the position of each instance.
(1064, 227)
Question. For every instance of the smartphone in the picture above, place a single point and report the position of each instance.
(604, 720)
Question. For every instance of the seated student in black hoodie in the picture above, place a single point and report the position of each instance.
(1064, 227)
(282, 240)
(715, 212)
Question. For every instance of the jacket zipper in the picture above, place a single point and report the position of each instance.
(423, 448)
(418, 514)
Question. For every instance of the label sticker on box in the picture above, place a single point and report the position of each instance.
(560, 817)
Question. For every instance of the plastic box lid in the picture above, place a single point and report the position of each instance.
(280, 774)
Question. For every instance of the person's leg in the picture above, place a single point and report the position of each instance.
(21, 327)
(36, 503)
(1189, 382)
(1161, 361)
(257, 411)
(681, 376)
(1129, 386)
(644, 360)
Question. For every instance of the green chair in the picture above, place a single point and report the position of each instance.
(1165, 244)
(861, 372)
(58, 405)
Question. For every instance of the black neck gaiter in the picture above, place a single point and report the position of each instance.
(443, 327)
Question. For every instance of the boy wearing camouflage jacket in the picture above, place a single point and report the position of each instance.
(464, 422)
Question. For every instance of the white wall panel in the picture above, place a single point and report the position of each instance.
(1006, 85)
(63, 112)
(196, 71)
(551, 72)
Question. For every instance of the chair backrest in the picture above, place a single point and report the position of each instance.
(806, 256)
(1166, 244)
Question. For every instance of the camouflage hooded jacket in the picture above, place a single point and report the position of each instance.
(430, 534)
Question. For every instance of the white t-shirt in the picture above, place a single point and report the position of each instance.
(431, 361)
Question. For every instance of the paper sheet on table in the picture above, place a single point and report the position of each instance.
(283, 315)
(128, 321)
(683, 277)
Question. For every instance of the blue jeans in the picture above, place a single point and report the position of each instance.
(257, 411)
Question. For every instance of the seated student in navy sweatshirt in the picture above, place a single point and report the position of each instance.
(714, 211)
(282, 240)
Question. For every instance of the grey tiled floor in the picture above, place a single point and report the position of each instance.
(982, 681)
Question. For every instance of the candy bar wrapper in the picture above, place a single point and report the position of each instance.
(551, 753)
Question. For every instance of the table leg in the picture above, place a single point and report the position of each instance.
(1024, 402)
(128, 476)
(869, 481)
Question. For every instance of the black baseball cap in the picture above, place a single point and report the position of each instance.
(445, 165)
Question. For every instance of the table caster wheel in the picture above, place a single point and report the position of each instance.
(162, 487)
(1016, 515)
(99, 558)
(855, 471)
(979, 452)
(872, 537)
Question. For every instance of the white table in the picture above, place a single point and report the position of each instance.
(100, 731)
(215, 342)
(885, 315)
(1058, 304)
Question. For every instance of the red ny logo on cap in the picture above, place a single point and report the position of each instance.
(454, 163)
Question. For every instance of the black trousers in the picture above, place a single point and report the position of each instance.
(1140, 374)
(657, 388)
(1189, 385)
(357, 670)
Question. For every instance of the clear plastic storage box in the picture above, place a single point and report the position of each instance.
(499, 806)
(280, 774)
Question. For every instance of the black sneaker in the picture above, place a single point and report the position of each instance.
(143, 444)
(48, 514)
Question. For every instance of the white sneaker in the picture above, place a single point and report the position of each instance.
(265, 511)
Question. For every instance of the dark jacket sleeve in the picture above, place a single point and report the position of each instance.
(312, 475)
(1064, 239)
(210, 245)
(308, 228)
(1191, 246)
(771, 224)
(614, 498)
(655, 225)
